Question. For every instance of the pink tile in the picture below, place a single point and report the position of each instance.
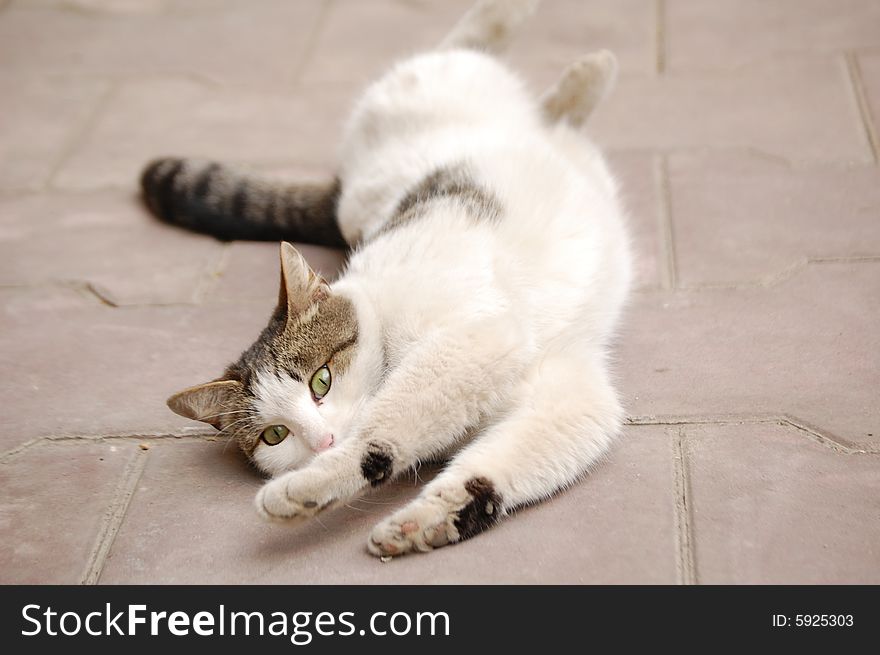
(729, 33)
(52, 513)
(42, 118)
(359, 40)
(637, 175)
(192, 520)
(157, 117)
(869, 70)
(807, 347)
(796, 107)
(741, 218)
(771, 506)
(563, 30)
(106, 239)
(253, 43)
(98, 370)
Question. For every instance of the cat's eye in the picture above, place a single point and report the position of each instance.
(320, 382)
(274, 434)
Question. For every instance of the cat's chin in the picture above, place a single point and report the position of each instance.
(273, 467)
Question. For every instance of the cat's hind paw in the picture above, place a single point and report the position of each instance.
(413, 529)
(444, 514)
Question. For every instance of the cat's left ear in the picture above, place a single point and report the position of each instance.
(300, 285)
(205, 402)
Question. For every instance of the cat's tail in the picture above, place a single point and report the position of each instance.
(489, 25)
(580, 89)
(226, 203)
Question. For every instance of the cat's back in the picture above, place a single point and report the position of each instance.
(431, 111)
(436, 91)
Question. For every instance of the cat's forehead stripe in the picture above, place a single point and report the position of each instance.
(329, 327)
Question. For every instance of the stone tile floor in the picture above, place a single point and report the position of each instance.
(746, 136)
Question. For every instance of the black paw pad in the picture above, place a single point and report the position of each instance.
(482, 512)
(377, 464)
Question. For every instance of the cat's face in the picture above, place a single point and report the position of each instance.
(293, 393)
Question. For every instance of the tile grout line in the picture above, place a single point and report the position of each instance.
(212, 271)
(685, 560)
(113, 517)
(837, 445)
(80, 136)
(196, 437)
(665, 226)
(660, 36)
(816, 435)
(311, 43)
(20, 448)
(857, 86)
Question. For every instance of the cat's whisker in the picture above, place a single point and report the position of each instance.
(358, 509)
(235, 411)
(241, 420)
(372, 502)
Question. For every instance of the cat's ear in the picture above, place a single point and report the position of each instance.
(204, 402)
(300, 285)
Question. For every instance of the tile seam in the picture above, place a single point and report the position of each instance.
(817, 435)
(660, 53)
(857, 89)
(669, 273)
(114, 516)
(311, 44)
(20, 448)
(81, 134)
(686, 559)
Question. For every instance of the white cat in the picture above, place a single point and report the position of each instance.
(489, 266)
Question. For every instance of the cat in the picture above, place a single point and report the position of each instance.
(489, 265)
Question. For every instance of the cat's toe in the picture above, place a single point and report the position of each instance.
(388, 538)
(412, 531)
(294, 497)
(272, 503)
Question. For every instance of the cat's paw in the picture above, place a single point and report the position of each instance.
(294, 496)
(421, 526)
(443, 515)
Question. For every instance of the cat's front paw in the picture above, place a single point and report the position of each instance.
(294, 496)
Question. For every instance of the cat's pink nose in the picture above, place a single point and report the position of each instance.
(326, 442)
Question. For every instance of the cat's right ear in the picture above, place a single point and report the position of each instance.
(204, 402)
(300, 285)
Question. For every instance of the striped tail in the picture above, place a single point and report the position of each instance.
(218, 200)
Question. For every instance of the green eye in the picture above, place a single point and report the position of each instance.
(275, 434)
(321, 382)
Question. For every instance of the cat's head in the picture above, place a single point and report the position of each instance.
(293, 392)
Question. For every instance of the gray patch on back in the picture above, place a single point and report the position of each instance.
(450, 184)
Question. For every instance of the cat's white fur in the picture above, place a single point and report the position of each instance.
(494, 334)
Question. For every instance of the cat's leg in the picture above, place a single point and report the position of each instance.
(445, 385)
(583, 85)
(568, 416)
(489, 25)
